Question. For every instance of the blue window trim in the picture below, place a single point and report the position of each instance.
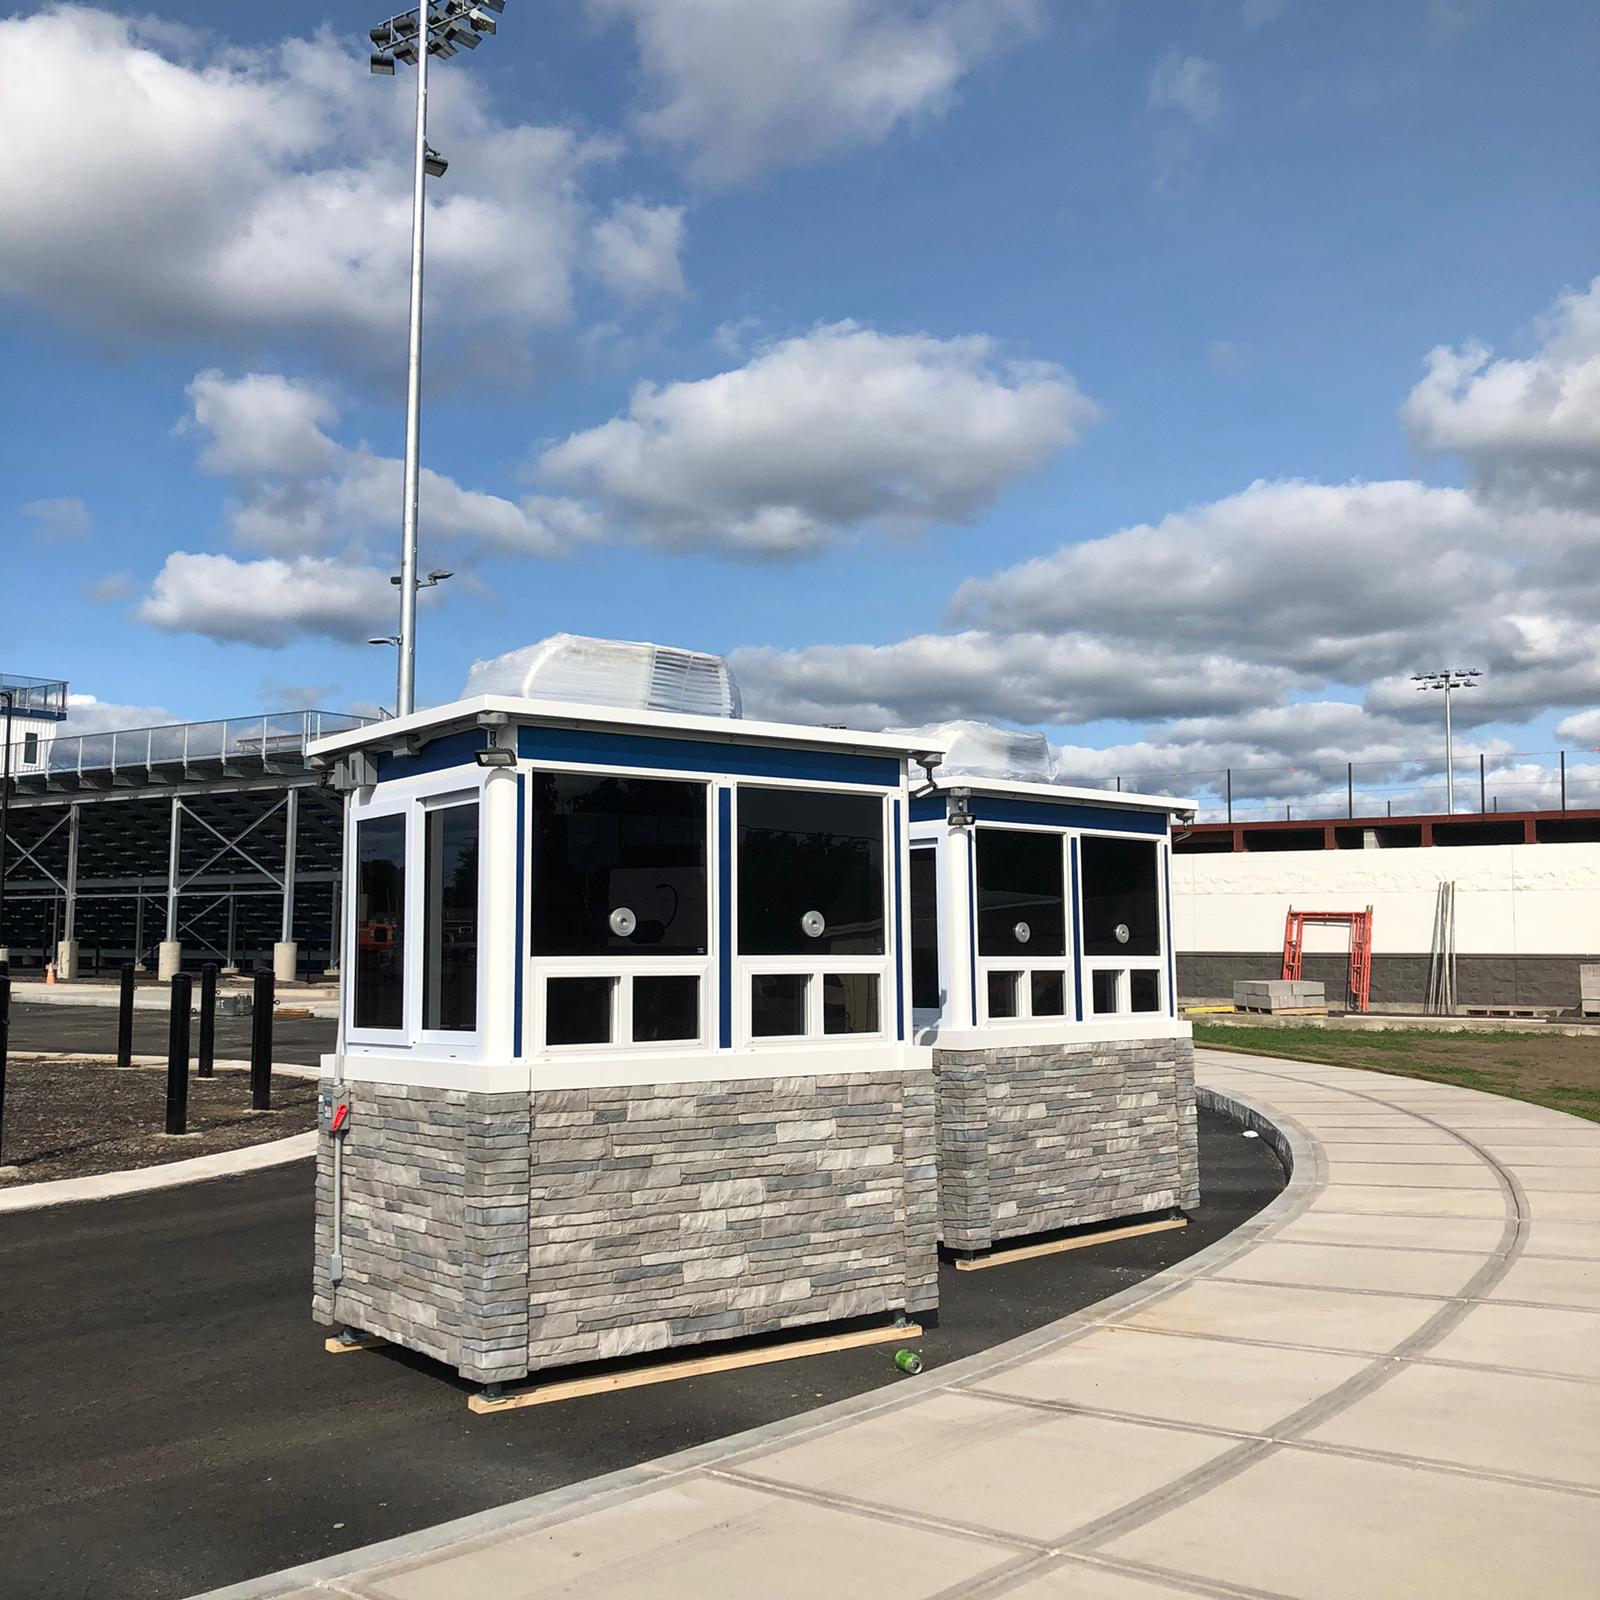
(522, 890)
(899, 947)
(1068, 814)
(1172, 957)
(972, 911)
(596, 747)
(725, 916)
(927, 808)
(1077, 941)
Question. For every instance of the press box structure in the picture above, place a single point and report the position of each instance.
(626, 1040)
(1042, 978)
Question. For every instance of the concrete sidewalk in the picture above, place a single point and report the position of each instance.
(1385, 1385)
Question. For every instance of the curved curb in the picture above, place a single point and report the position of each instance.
(164, 1175)
(1301, 1157)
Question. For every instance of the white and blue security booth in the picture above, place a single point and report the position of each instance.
(626, 1054)
(1043, 978)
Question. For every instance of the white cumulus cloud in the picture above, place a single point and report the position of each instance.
(1529, 428)
(162, 186)
(821, 434)
(739, 88)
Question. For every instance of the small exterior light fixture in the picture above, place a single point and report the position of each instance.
(435, 164)
(960, 813)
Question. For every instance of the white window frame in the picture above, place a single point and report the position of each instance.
(410, 798)
(746, 968)
(1123, 965)
(1020, 963)
(623, 969)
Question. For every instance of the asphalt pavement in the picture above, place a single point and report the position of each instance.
(171, 1423)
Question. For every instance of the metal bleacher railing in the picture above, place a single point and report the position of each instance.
(34, 697)
(231, 741)
(1322, 791)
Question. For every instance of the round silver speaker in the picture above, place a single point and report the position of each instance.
(1022, 933)
(813, 924)
(623, 922)
(1121, 932)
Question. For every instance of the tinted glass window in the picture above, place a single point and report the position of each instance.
(1121, 903)
(666, 1008)
(1003, 993)
(850, 1002)
(1049, 994)
(450, 919)
(1105, 991)
(810, 873)
(1145, 988)
(619, 866)
(777, 1004)
(578, 1010)
(925, 930)
(380, 922)
(1021, 893)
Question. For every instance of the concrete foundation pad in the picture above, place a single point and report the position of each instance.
(1533, 1338)
(704, 1537)
(1011, 1468)
(169, 959)
(1332, 1266)
(1498, 1423)
(1321, 1527)
(1182, 1380)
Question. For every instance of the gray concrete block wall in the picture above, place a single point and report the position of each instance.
(1039, 1137)
(717, 1210)
(504, 1233)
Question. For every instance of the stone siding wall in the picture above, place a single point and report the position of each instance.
(435, 1225)
(1039, 1137)
(717, 1210)
(504, 1233)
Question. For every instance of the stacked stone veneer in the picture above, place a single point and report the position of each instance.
(504, 1233)
(1034, 1138)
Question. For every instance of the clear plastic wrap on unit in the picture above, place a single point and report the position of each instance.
(611, 672)
(981, 750)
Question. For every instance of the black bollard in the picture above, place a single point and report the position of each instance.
(206, 1054)
(261, 1042)
(178, 1053)
(5, 1045)
(125, 1017)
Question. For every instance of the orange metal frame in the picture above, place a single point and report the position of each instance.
(1360, 925)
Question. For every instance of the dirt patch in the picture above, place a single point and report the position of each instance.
(70, 1119)
(1557, 1071)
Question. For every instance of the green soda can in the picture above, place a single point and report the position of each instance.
(908, 1361)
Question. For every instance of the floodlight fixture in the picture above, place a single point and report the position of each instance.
(481, 22)
(383, 66)
(433, 163)
(1450, 679)
(495, 757)
(387, 638)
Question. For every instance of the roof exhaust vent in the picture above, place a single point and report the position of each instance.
(981, 750)
(611, 672)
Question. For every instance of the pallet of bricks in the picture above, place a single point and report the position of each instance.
(1281, 997)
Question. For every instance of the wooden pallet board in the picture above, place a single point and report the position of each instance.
(1081, 1241)
(338, 1347)
(544, 1394)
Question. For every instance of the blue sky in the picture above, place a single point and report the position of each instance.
(920, 291)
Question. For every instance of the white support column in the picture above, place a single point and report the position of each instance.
(955, 925)
(67, 950)
(336, 925)
(498, 953)
(169, 959)
(286, 953)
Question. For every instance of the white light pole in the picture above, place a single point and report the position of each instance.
(1450, 681)
(434, 28)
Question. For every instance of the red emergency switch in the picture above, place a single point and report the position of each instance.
(341, 1115)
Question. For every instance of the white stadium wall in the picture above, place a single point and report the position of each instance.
(1526, 916)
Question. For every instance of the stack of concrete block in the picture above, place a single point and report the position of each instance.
(1589, 988)
(1279, 994)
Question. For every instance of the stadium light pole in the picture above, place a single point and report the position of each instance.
(433, 28)
(1450, 681)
